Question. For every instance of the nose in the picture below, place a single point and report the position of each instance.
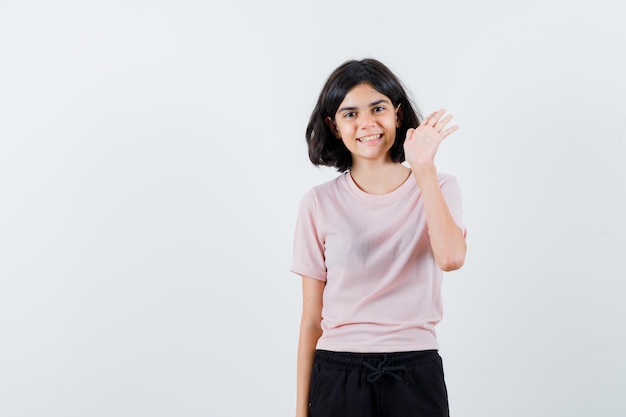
(366, 120)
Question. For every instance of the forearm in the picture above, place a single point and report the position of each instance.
(309, 334)
(446, 237)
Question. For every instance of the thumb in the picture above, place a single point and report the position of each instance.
(409, 134)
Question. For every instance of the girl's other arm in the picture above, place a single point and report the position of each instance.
(310, 332)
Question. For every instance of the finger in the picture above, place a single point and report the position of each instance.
(409, 134)
(428, 118)
(436, 116)
(443, 122)
(446, 132)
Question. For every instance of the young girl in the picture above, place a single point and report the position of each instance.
(371, 246)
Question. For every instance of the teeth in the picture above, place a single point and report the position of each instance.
(369, 138)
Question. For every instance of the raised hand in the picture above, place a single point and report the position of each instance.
(421, 144)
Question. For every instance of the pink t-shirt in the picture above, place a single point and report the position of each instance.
(383, 287)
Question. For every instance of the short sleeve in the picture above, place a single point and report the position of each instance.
(308, 246)
(451, 191)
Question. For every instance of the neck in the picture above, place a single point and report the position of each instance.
(379, 178)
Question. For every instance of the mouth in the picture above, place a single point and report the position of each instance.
(369, 138)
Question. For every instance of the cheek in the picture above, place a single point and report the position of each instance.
(344, 128)
(393, 136)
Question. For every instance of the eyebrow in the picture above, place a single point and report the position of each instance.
(372, 104)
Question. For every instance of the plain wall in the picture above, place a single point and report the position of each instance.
(152, 157)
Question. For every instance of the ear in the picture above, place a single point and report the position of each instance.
(398, 116)
(332, 126)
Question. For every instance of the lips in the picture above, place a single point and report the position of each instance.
(370, 138)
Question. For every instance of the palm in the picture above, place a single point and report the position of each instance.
(421, 144)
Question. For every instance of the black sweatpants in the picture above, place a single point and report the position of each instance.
(402, 384)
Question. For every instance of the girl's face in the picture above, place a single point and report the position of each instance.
(366, 122)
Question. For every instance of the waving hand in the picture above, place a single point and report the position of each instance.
(421, 144)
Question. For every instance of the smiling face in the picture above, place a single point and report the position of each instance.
(366, 122)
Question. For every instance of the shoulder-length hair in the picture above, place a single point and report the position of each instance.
(324, 148)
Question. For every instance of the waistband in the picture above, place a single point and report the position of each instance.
(374, 364)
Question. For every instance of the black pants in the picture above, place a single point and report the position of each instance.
(403, 384)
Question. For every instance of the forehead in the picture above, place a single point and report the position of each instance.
(362, 95)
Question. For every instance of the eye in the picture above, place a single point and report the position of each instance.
(349, 114)
(378, 109)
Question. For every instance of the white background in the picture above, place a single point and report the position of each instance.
(152, 157)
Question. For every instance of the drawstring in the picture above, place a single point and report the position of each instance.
(377, 373)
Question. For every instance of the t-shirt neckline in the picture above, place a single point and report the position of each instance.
(390, 197)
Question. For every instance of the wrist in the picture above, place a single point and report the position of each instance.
(423, 169)
(424, 173)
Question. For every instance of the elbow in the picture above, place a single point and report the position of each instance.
(451, 264)
(450, 253)
(310, 331)
(452, 261)
(311, 325)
